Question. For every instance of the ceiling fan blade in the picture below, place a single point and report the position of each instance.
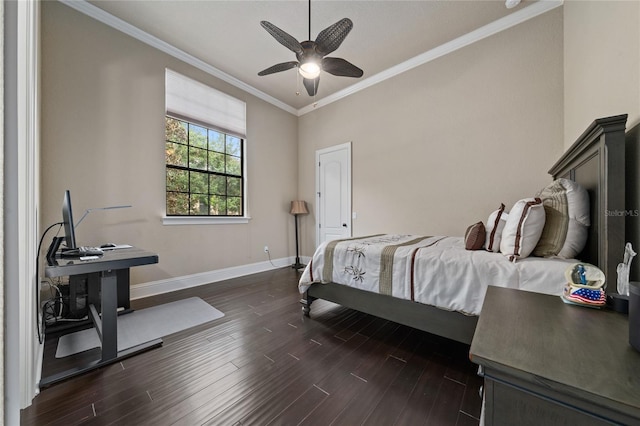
(311, 85)
(278, 68)
(282, 37)
(341, 67)
(332, 37)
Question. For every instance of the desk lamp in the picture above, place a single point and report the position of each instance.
(99, 208)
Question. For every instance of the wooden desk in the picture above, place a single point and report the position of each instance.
(548, 363)
(105, 322)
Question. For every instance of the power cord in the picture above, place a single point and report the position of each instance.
(53, 309)
(269, 256)
(40, 326)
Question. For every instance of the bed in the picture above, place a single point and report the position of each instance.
(596, 161)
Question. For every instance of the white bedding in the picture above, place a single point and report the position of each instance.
(436, 271)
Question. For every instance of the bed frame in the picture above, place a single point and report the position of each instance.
(597, 162)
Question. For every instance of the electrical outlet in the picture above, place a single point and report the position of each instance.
(266, 249)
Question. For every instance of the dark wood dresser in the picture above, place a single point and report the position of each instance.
(549, 363)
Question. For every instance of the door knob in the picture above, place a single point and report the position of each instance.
(344, 225)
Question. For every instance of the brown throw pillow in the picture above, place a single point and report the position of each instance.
(474, 236)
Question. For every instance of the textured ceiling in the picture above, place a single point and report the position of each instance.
(227, 34)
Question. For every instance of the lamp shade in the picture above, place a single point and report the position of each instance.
(298, 207)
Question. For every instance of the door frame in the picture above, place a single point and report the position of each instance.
(22, 352)
(320, 152)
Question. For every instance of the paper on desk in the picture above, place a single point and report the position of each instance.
(117, 246)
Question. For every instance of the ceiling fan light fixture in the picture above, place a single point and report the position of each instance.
(309, 70)
(510, 4)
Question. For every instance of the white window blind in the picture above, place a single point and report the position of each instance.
(191, 100)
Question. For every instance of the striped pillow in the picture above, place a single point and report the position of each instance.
(566, 206)
(495, 225)
(523, 228)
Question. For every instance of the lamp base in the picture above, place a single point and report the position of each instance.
(298, 265)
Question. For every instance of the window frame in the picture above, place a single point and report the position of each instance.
(207, 219)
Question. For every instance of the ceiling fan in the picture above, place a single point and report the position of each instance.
(311, 55)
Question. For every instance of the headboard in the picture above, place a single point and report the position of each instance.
(597, 162)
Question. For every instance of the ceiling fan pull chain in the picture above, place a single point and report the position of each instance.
(315, 91)
(309, 20)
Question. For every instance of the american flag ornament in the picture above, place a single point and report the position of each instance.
(587, 296)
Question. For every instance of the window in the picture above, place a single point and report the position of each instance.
(205, 133)
(203, 171)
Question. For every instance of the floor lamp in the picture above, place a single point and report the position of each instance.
(297, 208)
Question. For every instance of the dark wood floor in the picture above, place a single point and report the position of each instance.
(264, 364)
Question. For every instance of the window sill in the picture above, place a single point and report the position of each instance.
(203, 220)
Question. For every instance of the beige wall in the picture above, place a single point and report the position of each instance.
(601, 63)
(602, 78)
(103, 138)
(439, 147)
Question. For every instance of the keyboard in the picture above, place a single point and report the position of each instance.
(82, 251)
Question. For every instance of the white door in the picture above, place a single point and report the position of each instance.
(333, 193)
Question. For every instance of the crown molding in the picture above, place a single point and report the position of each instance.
(518, 17)
(513, 19)
(98, 14)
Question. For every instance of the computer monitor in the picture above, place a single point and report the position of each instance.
(67, 219)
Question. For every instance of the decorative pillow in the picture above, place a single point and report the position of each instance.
(523, 228)
(474, 236)
(495, 225)
(566, 205)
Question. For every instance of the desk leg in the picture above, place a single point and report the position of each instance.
(124, 298)
(107, 328)
(122, 275)
(109, 301)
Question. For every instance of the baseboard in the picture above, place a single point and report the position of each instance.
(153, 288)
